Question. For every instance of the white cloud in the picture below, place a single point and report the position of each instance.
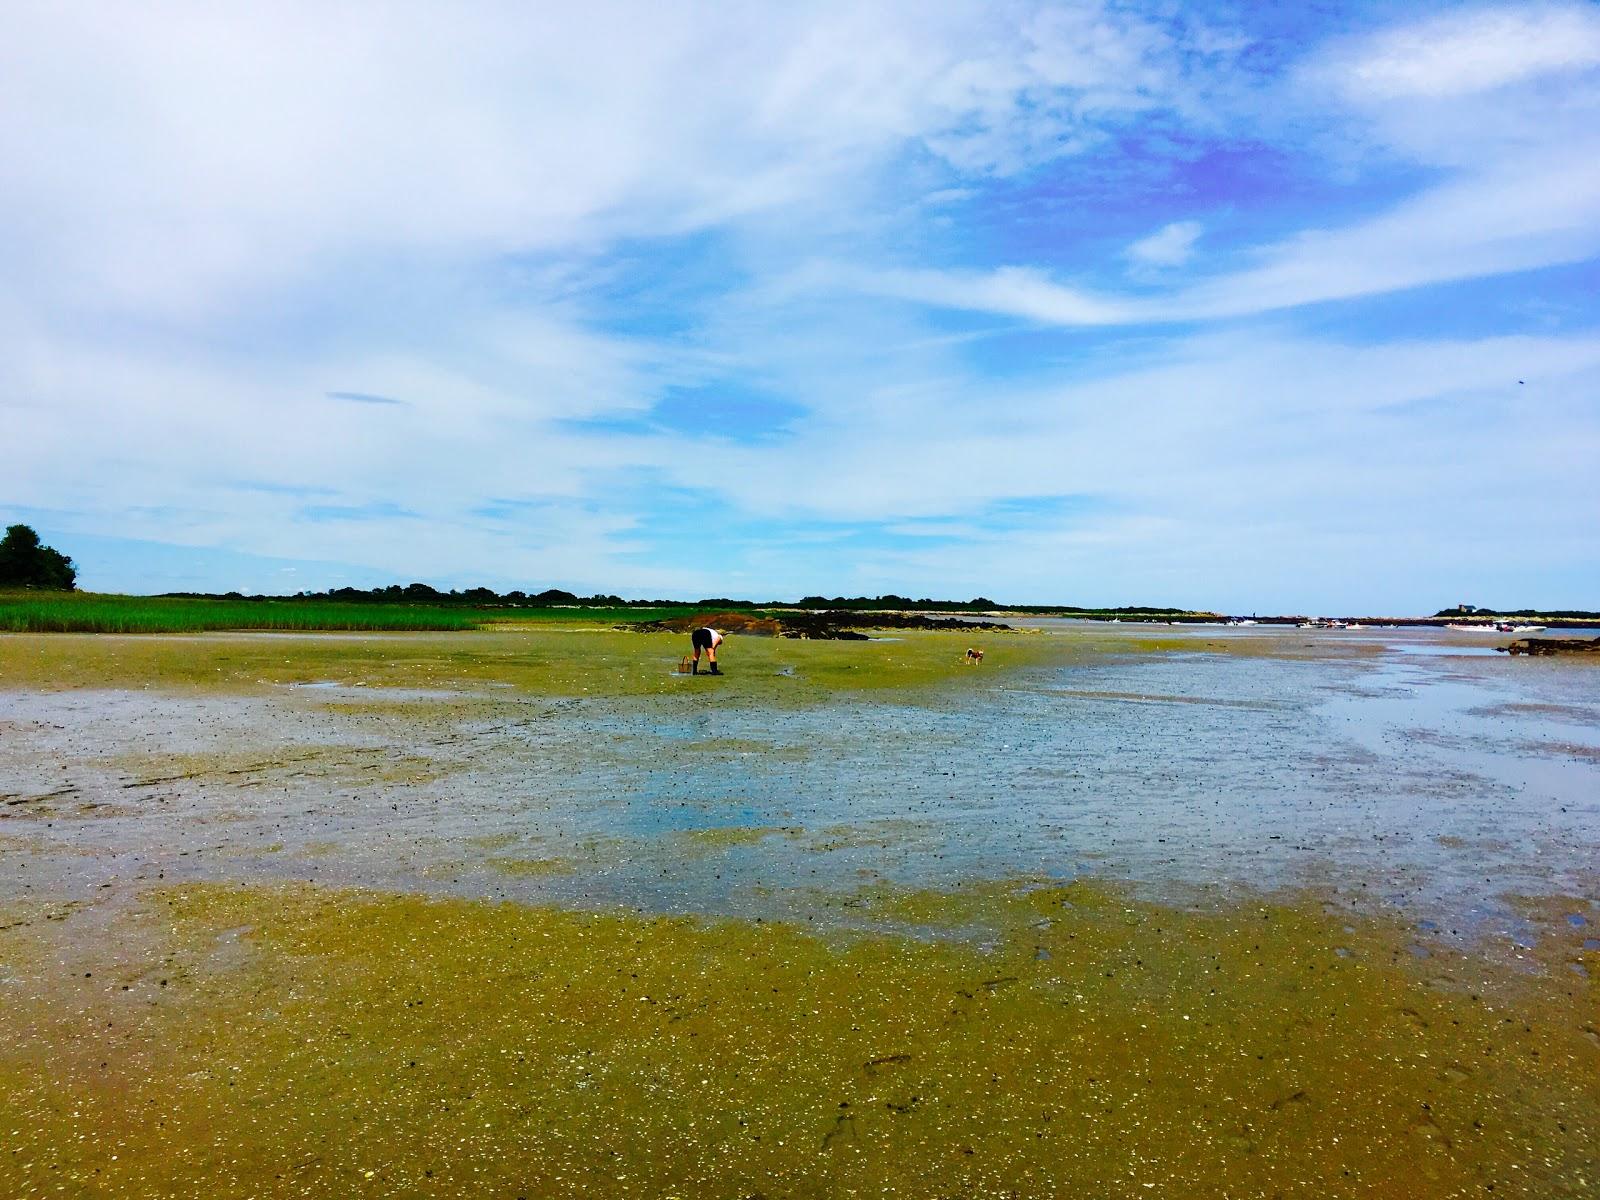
(1520, 213)
(1219, 425)
(1232, 468)
(1170, 246)
(1228, 450)
(1503, 102)
(1465, 52)
(1009, 291)
(173, 157)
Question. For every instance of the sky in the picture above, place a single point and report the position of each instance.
(1244, 307)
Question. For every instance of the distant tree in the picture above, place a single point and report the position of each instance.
(27, 562)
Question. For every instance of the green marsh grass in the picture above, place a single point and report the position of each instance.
(91, 612)
(94, 612)
(81, 612)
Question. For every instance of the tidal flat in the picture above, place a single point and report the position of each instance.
(1124, 911)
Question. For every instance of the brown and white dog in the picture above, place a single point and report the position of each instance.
(974, 657)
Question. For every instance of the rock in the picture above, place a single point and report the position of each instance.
(833, 625)
(1554, 646)
(727, 622)
(839, 625)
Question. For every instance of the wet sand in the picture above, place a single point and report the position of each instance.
(1067, 920)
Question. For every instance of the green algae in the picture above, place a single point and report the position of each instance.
(225, 1041)
(494, 841)
(881, 834)
(592, 662)
(352, 672)
(1026, 1040)
(236, 766)
(530, 868)
(736, 835)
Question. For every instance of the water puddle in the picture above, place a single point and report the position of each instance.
(1450, 651)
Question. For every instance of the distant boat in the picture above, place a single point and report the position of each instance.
(1480, 627)
(1508, 627)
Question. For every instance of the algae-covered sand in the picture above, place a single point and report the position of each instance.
(578, 660)
(711, 982)
(218, 1040)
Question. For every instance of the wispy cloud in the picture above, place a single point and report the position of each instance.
(362, 398)
(1461, 52)
(1518, 215)
(378, 510)
(280, 489)
(1013, 291)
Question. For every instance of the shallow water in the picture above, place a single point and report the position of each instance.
(1440, 784)
(1387, 767)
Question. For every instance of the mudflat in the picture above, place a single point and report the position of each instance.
(1121, 911)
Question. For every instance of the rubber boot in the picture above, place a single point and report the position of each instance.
(714, 670)
(694, 667)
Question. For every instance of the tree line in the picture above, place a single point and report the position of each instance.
(26, 562)
(483, 597)
(1472, 610)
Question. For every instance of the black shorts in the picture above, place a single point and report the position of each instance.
(700, 639)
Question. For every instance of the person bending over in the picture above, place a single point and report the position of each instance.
(707, 640)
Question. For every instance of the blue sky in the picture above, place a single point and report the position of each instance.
(1256, 308)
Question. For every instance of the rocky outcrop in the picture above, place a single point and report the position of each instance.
(839, 623)
(1554, 646)
(727, 622)
(834, 625)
